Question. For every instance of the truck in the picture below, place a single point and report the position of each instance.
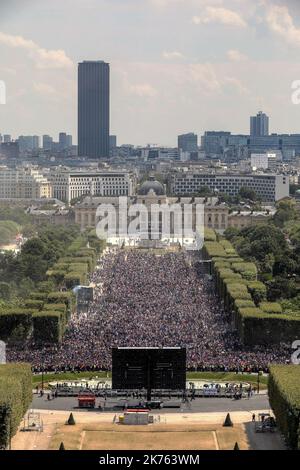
(86, 400)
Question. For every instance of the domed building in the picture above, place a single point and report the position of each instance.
(152, 187)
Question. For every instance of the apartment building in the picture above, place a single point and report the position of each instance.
(69, 185)
(269, 187)
(23, 182)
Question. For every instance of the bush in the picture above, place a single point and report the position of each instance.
(270, 307)
(284, 395)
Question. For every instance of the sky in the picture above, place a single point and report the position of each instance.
(176, 65)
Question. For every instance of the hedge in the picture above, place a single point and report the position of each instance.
(248, 270)
(38, 296)
(12, 319)
(15, 398)
(55, 274)
(258, 290)
(242, 303)
(66, 298)
(258, 328)
(56, 307)
(284, 396)
(82, 267)
(61, 308)
(34, 304)
(214, 249)
(48, 327)
(270, 307)
(80, 259)
(77, 244)
(74, 279)
(209, 235)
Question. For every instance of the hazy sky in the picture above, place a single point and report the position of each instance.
(176, 65)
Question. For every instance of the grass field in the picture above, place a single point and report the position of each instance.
(215, 376)
(158, 437)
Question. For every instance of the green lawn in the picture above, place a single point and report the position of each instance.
(215, 376)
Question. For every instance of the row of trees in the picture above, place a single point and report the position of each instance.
(22, 272)
(275, 248)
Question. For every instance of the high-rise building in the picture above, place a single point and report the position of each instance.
(6, 138)
(47, 142)
(62, 141)
(69, 141)
(188, 142)
(93, 109)
(112, 141)
(259, 125)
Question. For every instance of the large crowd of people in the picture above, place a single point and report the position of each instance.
(141, 299)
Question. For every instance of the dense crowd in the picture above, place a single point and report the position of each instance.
(141, 299)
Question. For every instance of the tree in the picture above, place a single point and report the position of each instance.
(204, 191)
(281, 288)
(6, 291)
(286, 210)
(236, 446)
(248, 193)
(62, 446)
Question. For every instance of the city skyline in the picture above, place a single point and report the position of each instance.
(162, 85)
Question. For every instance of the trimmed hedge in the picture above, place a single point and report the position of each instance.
(284, 395)
(56, 307)
(12, 319)
(48, 326)
(258, 290)
(74, 279)
(15, 398)
(34, 304)
(209, 235)
(270, 307)
(258, 328)
(38, 296)
(66, 298)
(248, 270)
(214, 249)
(242, 303)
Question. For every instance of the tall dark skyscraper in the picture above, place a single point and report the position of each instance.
(93, 109)
(259, 125)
